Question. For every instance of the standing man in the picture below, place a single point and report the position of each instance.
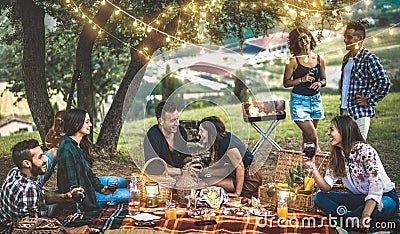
(167, 140)
(364, 81)
(22, 193)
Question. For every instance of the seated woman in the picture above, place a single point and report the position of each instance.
(372, 194)
(75, 158)
(232, 166)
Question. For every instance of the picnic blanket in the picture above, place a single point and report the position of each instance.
(113, 220)
(297, 223)
(110, 217)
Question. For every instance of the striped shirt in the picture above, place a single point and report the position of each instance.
(368, 78)
(21, 196)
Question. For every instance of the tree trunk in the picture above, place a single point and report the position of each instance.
(112, 125)
(33, 65)
(86, 92)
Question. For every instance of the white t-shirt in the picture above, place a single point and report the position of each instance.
(346, 82)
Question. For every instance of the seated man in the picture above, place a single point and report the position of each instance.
(167, 140)
(22, 193)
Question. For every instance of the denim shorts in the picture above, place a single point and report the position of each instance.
(304, 108)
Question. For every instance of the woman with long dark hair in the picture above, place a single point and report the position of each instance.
(305, 72)
(75, 159)
(232, 166)
(372, 194)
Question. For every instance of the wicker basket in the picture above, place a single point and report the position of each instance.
(286, 159)
(165, 182)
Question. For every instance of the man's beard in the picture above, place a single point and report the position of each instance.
(37, 170)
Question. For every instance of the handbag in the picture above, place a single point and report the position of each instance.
(36, 226)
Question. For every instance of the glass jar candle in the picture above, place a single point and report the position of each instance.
(170, 211)
(282, 209)
(151, 194)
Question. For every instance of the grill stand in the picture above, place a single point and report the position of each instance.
(265, 136)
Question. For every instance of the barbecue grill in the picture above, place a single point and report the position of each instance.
(273, 111)
(264, 111)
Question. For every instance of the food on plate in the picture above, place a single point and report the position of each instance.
(244, 200)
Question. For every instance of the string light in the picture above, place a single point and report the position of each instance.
(201, 35)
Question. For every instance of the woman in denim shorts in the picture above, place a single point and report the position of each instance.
(305, 72)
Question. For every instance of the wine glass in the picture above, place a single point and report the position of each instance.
(112, 184)
(309, 149)
(314, 72)
(206, 159)
(77, 197)
(270, 192)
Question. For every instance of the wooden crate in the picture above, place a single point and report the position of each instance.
(286, 159)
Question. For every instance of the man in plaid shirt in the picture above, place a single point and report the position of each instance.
(364, 81)
(22, 193)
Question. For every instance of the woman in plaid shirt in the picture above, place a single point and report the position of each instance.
(75, 158)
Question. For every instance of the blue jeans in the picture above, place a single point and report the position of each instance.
(304, 108)
(120, 196)
(337, 203)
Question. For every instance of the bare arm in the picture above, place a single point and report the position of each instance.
(319, 179)
(236, 159)
(52, 198)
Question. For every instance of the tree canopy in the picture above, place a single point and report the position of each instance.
(111, 41)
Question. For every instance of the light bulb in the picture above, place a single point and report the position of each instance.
(134, 23)
(117, 12)
(375, 40)
(168, 39)
(391, 32)
(103, 2)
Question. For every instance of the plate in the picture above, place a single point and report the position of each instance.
(234, 202)
(261, 212)
(201, 212)
(144, 217)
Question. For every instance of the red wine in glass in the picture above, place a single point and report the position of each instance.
(309, 149)
(112, 188)
(77, 199)
(206, 160)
